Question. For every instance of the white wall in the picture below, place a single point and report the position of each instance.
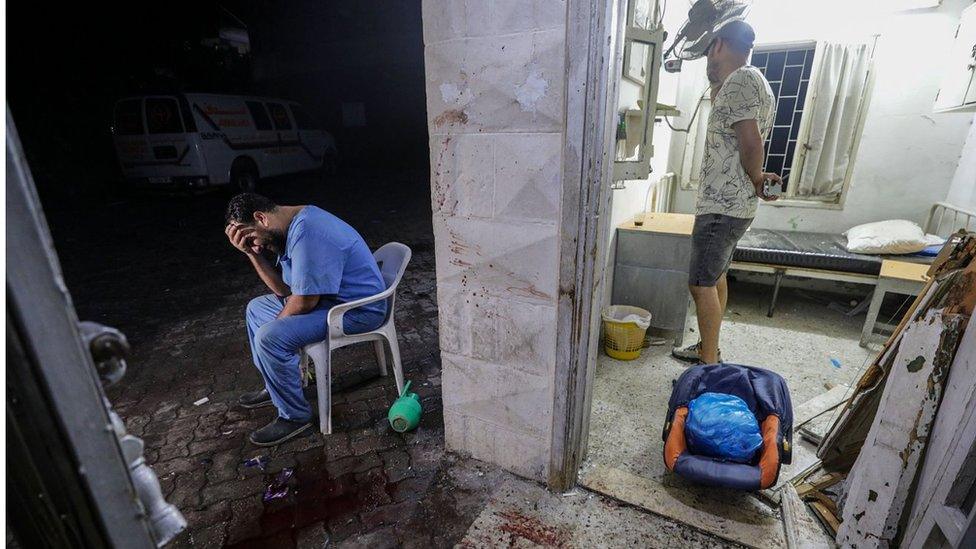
(496, 116)
(962, 191)
(625, 203)
(908, 155)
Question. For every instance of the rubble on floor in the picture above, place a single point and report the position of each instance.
(866, 487)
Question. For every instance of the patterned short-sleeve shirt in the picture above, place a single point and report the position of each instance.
(724, 187)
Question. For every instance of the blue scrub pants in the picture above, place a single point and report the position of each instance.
(276, 345)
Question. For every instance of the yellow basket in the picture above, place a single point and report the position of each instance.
(623, 331)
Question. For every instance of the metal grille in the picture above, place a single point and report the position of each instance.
(788, 71)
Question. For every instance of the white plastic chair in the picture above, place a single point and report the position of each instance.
(392, 259)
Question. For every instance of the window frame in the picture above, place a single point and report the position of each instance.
(653, 38)
(789, 199)
(252, 105)
(140, 111)
(274, 121)
(176, 113)
(800, 150)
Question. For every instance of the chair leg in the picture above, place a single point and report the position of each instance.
(772, 302)
(322, 357)
(303, 368)
(380, 357)
(391, 337)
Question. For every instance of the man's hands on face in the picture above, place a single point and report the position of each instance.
(760, 191)
(243, 238)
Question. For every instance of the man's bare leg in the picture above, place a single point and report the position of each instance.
(723, 292)
(709, 309)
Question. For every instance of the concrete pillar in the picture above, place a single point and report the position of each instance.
(496, 116)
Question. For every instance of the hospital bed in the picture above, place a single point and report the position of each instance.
(825, 256)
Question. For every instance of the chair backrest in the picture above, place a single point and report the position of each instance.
(392, 259)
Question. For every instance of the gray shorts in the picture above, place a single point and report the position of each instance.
(712, 242)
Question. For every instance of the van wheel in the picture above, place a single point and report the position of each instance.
(244, 178)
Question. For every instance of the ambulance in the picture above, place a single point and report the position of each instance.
(193, 141)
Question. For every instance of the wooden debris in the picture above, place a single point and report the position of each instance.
(802, 530)
(826, 516)
(952, 287)
(883, 429)
(949, 470)
(825, 480)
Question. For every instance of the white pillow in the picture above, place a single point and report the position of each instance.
(895, 236)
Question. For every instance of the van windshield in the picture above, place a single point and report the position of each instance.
(128, 117)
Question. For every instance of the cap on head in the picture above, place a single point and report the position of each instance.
(739, 34)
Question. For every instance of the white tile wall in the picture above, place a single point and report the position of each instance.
(496, 116)
(508, 83)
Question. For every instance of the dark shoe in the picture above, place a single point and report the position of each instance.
(691, 353)
(279, 431)
(255, 399)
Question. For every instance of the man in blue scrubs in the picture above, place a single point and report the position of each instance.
(323, 262)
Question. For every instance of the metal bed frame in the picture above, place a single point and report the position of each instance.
(933, 225)
(945, 207)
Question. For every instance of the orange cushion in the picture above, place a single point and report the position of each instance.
(676, 444)
(769, 459)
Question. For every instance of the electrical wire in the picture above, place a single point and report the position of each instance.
(693, 115)
(660, 19)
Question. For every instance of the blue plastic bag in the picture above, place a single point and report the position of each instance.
(722, 426)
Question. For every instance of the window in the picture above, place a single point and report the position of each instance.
(280, 116)
(788, 71)
(163, 115)
(637, 92)
(302, 120)
(812, 147)
(128, 117)
(260, 116)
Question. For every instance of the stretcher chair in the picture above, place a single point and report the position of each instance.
(767, 396)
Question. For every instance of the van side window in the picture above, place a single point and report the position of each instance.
(128, 117)
(302, 120)
(163, 115)
(260, 116)
(280, 116)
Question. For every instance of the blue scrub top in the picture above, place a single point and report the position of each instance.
(327, 257)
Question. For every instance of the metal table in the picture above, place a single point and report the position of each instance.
(651, 269)
(899, 277)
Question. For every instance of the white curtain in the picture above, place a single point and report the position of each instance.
(831, 119)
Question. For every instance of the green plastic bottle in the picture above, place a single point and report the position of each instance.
(405, 413)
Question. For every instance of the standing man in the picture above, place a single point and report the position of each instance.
(323, 262)
(743, 108)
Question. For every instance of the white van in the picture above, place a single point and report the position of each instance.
(200, 140)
